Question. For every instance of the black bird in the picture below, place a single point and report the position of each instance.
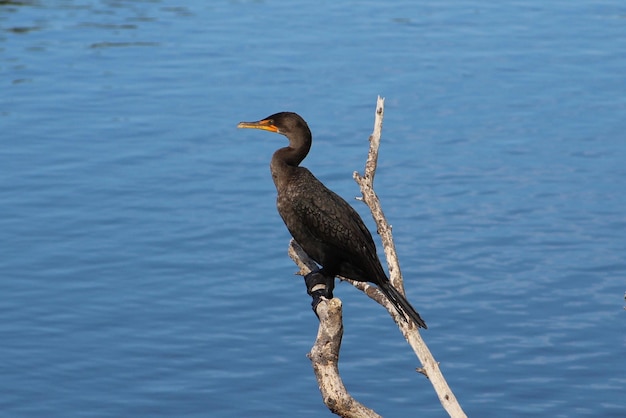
(327, 228)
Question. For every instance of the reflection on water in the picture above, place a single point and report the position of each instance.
(122, 44)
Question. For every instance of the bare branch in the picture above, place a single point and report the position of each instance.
(325, 352)
(366, 183)
(430, 367)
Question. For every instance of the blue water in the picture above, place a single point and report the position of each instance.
(144, 268)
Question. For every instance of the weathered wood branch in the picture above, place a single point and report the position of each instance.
(366, 184)
(324, 354)
(334, 393)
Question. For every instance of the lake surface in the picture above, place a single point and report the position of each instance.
(144, 269)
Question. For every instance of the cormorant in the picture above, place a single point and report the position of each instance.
(327, 228)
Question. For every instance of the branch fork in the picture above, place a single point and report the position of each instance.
(324, 354)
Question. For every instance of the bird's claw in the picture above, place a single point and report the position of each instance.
(318, 286)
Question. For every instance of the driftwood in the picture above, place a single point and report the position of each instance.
(324, 354)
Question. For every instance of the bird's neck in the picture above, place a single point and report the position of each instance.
(291, 156)
(285, 162)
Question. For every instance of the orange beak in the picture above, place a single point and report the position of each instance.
(265, 124)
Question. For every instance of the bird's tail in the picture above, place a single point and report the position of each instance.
(402, 305)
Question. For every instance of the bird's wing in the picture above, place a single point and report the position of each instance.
(330, 219)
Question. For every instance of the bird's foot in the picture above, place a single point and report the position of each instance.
(317, 286)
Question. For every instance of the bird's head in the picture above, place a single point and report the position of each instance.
(286, 123)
